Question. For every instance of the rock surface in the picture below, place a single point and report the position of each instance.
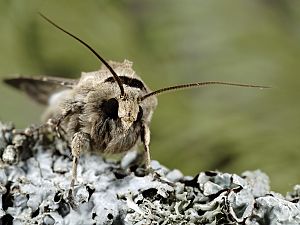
(35, 176)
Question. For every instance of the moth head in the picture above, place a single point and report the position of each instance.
(125, 109)
(129, 111)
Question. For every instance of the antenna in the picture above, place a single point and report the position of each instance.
(116, 77)
(195, 85)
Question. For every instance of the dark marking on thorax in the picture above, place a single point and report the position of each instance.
(131, 82)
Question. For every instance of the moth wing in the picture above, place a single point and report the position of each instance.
(40, 89)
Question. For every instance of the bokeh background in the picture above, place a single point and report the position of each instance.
(171, 42)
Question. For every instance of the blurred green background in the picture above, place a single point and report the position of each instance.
(171, 42)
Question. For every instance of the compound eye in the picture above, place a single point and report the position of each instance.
(110, 108)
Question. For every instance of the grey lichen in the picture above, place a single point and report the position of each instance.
(35, 177)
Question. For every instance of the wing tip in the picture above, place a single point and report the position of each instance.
(14, 82)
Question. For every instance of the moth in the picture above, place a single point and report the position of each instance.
(108, 110)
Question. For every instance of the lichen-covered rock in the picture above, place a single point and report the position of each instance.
(34, 185)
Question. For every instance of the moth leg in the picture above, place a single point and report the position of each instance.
(56, 122)
(52, 123)
(80, 143)
(145, 136)
(69, 109)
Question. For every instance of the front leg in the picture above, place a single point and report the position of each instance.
(81, 142)
(145, 136)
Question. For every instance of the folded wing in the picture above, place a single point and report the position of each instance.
(41, 88)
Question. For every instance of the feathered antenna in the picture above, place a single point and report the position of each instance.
(116, 77)
(194, 85)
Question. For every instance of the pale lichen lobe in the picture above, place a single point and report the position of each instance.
(35, 175)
